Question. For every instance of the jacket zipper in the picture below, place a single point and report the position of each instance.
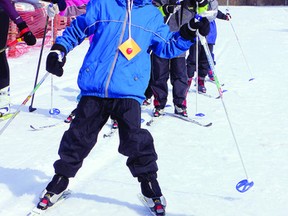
(116, 55)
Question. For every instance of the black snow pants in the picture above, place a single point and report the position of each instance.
(4, 67)
(90, 116)
(203, 64)
(161, 69)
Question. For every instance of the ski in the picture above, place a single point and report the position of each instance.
(153, 119)
(37, 128)
(110, 133)
(68, 120)
(146, 204)
(149, 123)
(213, 82)
(36, 211)
(189, 119)
(6, 116)
(113, 129)
(208, 95)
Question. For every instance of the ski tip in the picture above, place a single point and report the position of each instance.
(208, 125)
(32, 127)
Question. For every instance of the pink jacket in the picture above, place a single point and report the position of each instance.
(74, 8)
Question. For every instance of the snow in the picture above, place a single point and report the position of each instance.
(198, 167)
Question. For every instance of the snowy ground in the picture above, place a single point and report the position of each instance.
(199, 167)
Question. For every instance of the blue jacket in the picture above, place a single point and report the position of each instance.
(105, 71)
(212, 36)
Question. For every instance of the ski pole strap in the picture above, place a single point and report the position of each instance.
(23, 31)
(59, 53)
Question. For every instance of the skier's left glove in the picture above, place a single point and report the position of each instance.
(188, 30)
(26, 34)
(56, 60)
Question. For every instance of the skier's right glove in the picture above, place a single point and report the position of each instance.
(56, 60)
(188, 30)
(26, 34)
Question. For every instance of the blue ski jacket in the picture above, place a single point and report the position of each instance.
(105, 71)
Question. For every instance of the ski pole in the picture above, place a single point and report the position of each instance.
(245, 184)
(31, 109)
(52, 111)
(13, 43)
(23, 103)
(239, 44)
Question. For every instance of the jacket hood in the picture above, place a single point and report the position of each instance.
(136, 2)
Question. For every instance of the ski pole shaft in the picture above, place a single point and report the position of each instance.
(239, 44)
(211, 63)
(31, 109)
(23, 103)
(13, 43)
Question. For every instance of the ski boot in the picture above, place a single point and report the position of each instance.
(4, 101)
(152, 195)
(114, 124)
(201, 86)
(157, 112)
(181, 110)
(53, 192)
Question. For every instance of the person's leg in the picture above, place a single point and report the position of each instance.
(138, 145)
(179, 81)
(159, 78)
(210, 73)
(90, 116)
(191, 64)
(203, 70)
(4, 67)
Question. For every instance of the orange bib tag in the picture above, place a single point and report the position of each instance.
(129, 48)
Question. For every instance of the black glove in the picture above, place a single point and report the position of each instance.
(170, 9)
(228, 16)
(25, 33)
(188, 30)
(56, 60)
(202, 3)
(61, 4)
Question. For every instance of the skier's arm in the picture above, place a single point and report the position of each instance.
(10, 11)
(221, 15)
(168, 44)
(25, 32)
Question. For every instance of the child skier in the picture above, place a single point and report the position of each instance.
(203, 64)
(112, 80)
(175, 16)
